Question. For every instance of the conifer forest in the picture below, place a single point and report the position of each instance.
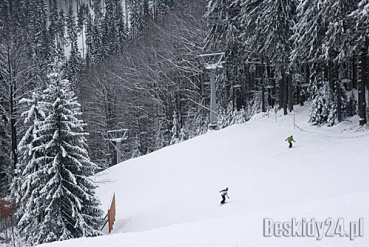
(76, 75)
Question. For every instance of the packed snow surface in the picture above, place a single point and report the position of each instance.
(171, 197)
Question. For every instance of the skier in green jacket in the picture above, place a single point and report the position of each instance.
(290, 140)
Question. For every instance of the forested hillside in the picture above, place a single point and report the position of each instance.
(138, 71)
(137, 68)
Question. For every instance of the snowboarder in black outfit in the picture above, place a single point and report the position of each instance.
(224, 194)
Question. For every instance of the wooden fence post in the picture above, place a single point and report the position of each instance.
(111, 214)
(5, 209)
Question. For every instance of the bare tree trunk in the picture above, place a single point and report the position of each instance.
(284, 92)
(363, 77)
(263, 108)
(12, 111)
(290, 92)
(246, 86)
(13, 123)
(354, 73)
(337, 92)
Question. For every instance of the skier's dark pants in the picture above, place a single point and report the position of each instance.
(290, 144)
(224, 198)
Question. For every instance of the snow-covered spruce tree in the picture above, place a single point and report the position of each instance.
(323, 35)
(223, 35)
(56, 31)
(323, 30)
(137, 21)
(323, 109)
(338, 44)
(175, 130)
(227, 117)
(94, 34)
(270, 24)
(308, 32)
(255, 106)
(361, 19)
(182, 135)
(65, 202)
(27, 182)
(201, 121)
(75, 62)
(113, 28)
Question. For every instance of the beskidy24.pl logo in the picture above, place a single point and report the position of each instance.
(313, 228)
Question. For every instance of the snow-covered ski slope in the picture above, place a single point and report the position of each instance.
(171, 197)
